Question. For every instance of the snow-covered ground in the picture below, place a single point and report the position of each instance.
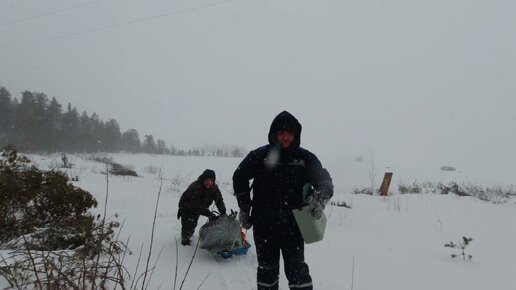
(394, 242)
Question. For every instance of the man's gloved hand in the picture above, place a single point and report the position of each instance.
(245, 219)
(318, 202)
(178, 213)
(208, 213)
(212, 216)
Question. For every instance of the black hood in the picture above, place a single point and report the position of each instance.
(208, 173)
(285, 121)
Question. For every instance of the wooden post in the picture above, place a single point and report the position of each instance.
(384, 189)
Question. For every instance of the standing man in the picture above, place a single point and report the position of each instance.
(195, 201)
(279, 171)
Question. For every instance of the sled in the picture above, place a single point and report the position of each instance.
(239, 251)
(223, 236)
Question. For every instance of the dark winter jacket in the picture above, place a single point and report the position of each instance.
(278, 174)
(196, 199)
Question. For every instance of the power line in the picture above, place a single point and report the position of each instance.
(47, 13)
(115, 25)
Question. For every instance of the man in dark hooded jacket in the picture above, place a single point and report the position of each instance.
(279, 171)
(195, 201)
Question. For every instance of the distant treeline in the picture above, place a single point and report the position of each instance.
(36, 124)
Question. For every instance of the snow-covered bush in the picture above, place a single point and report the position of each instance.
(95, 265)
(33, 202)
(415, 187)
(54, 242)
(496, 194)
(363, 190)
(452, 187)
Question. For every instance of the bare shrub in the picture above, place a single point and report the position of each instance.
(372, 173)
(94, 265)
(462, 246)
(65, 162)
(100, 159)
(151, 169)
(363, 190)
(340, 203)
(114, 168)
(122, 170)
(179, 182)
(404, 188)
(428, 186)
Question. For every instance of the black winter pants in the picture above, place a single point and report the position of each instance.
(283, 236)
(188, 225)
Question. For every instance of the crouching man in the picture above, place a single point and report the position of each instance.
(195, 201)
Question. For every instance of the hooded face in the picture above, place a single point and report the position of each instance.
(208, 183)
(285, 131)
(207, 178)
(285, 138)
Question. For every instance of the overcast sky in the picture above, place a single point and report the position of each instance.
(404, 79)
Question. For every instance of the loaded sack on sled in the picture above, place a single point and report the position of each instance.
(223, 235)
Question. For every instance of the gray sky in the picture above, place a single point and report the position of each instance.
(405, 79)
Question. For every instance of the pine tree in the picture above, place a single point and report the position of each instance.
(131, 141)
(5, 116)
(149, 146)
(70, 129)
(161, 148)
(112, 136)
(40, 139)
(53, 119)
(26, 128)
